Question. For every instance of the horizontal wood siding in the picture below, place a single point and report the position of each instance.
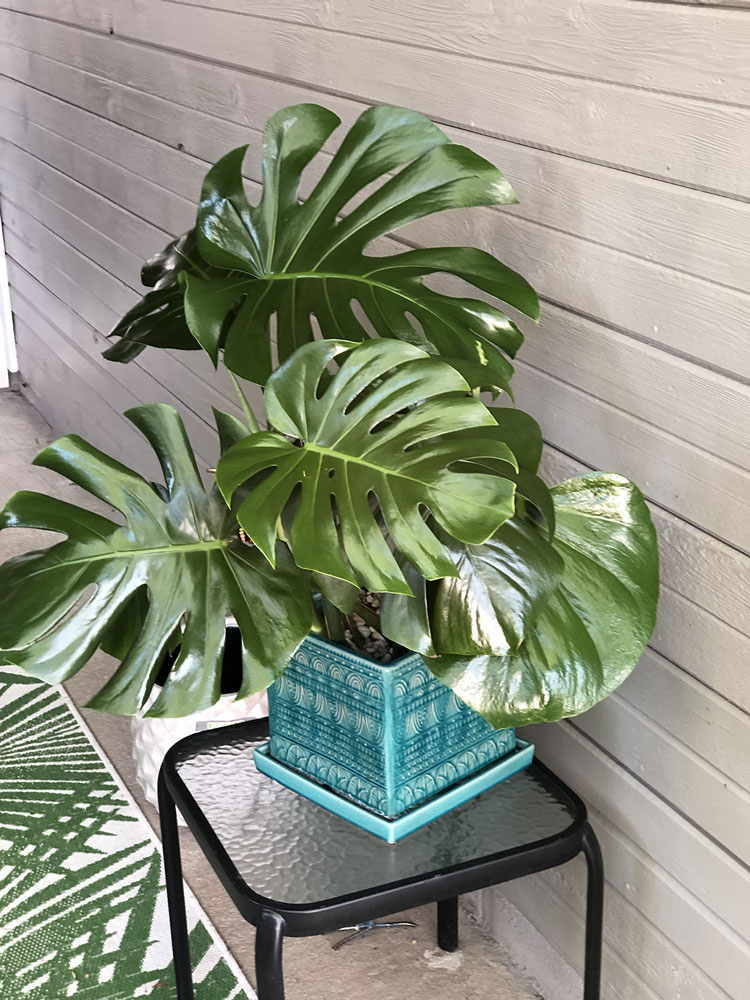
(624, 127)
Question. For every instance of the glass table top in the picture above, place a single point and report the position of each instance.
(292, 851)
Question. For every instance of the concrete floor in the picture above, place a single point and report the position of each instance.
(401, 964)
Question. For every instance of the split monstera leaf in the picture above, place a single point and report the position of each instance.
(381, 438)
(158, 320)
(295, 265)
(177, 559)
(380, 467)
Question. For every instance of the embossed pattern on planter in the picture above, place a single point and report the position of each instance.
(290, 850)
(387, 735)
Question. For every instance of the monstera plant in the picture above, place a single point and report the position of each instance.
(379, 487)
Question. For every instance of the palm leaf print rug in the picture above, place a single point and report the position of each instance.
(83, 910)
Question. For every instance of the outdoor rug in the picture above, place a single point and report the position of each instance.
(83, 910)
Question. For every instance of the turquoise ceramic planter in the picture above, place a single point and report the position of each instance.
(387, 736)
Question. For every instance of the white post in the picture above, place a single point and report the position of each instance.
(8, 359)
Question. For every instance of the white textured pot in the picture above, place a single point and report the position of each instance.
(153, 737)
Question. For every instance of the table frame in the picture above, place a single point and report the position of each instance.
(274, 920)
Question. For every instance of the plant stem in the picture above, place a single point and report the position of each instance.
(250, 419)
(367, 615)
(332, 619)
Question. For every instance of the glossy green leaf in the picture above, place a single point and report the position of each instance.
(230, 428)
(405, 618)
(297, 263)
(122, 630)
(499, 592)
(340, 593)
(58, 605)
(158, 320)
(521, 433)
(494, 379)
(594, 626)
(378, 438)
(491, 604)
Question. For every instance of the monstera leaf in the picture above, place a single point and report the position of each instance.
(490, 606)
(297, 264)
(521, 433)
(158, 320)
(179, 544)
(379, 440)
(588, 635)
(502, 584)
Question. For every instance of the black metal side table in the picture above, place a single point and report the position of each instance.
(291, 868)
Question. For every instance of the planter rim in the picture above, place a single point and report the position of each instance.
(348, 652)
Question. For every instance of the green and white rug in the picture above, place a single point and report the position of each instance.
(83, 910)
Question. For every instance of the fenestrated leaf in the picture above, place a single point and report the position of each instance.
(592, 630)
(158, 320)
(482, 377)
(124, 627)
(383, 430)
(59, 604)
(521, 433)
(301, 261)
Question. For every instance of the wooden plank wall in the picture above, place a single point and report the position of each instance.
(625, 128)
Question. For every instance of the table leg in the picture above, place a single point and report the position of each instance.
(170, 839)
(447, 924)
(594, 915)
(269, 974)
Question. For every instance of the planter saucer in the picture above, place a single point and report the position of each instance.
(393, 830)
